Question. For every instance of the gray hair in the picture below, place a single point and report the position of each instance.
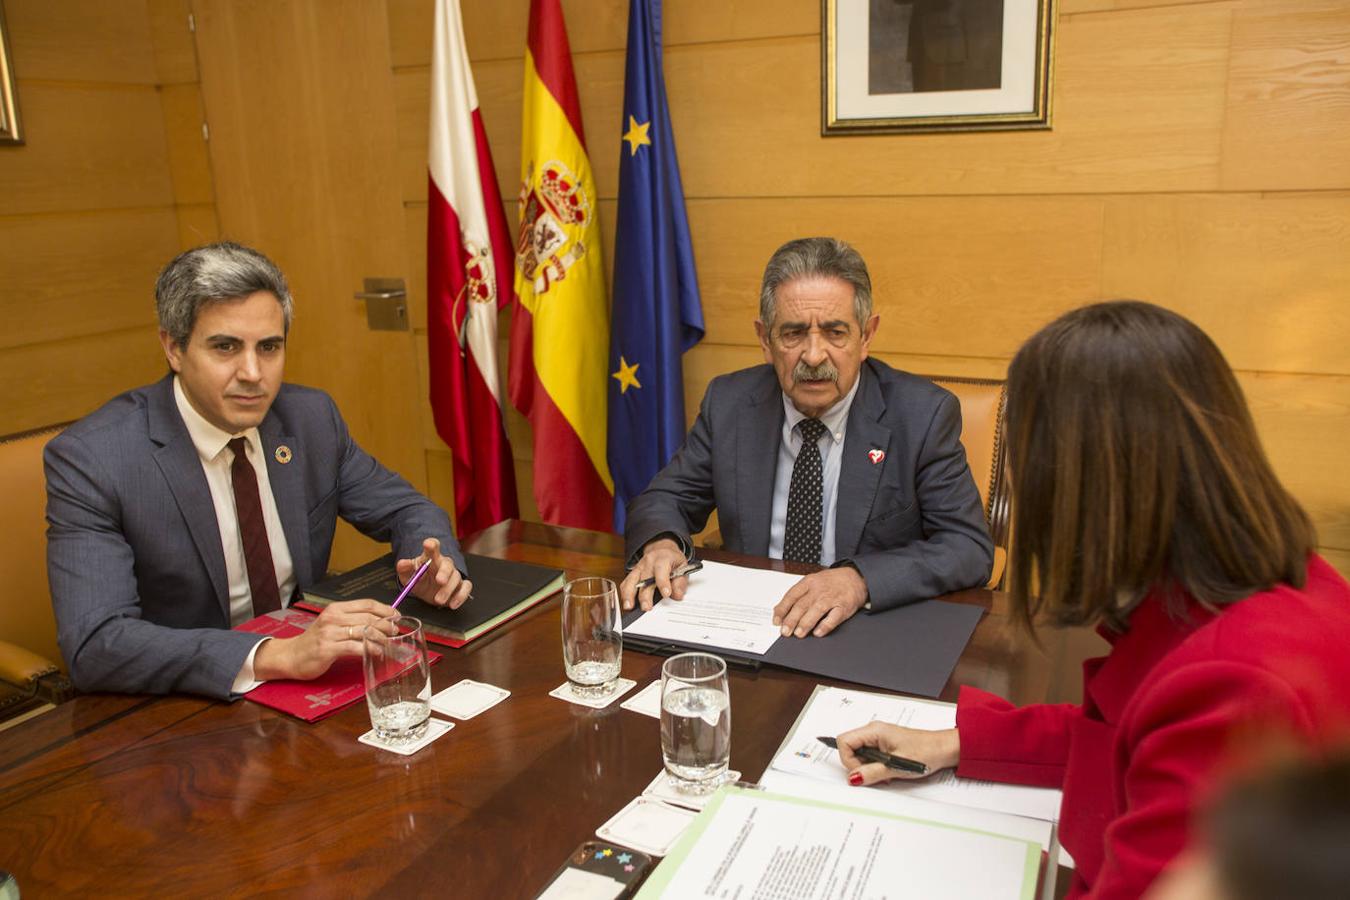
(816, 257)
(210, 274)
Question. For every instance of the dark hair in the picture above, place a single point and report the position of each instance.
(210, 274)
(1135, 465)
(1285, 833)
(816, 256)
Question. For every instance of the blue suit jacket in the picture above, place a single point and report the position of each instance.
(912, 524)
(134, 554)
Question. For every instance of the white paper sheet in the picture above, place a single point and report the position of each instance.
(836, 710)
(759, 845)
(725, 606)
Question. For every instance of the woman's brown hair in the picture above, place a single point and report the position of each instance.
(1135, 465)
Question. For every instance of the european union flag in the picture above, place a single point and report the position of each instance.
(657, 314)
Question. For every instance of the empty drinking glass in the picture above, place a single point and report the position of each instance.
(592, 636)
(695, 721)
(398, 679)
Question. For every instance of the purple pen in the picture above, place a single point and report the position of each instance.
(407, 588)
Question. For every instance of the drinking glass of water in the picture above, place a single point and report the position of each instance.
(592, 636)
(398, 679)
(695, 721)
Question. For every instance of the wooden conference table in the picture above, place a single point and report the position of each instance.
(174, 796)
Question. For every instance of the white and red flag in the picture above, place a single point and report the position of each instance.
(470, 276)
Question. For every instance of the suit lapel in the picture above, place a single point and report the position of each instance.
(858, 475)
(182, 469)
(288, 490)
(760, 430)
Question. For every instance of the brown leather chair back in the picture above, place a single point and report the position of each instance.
(26, 618)
(982, 403)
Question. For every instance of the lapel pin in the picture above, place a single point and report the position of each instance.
(876, 455)
(283, 454)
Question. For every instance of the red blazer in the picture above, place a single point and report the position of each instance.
(1160, 716)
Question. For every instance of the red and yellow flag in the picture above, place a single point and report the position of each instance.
(560, 327)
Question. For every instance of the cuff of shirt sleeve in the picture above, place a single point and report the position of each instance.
(245, 681)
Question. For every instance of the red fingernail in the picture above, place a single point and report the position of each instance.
(855, 778)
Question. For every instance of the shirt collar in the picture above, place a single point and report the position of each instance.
(834, 418)
(207, 438)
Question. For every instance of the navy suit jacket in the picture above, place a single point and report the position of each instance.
(911, 524)
(134, 554)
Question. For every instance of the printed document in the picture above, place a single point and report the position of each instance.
(750, 843)
(725, 606)
(832, 711)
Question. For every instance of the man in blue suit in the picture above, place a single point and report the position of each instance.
(186, 507)
(821, 456)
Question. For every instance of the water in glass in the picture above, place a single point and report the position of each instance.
(695, 721)
(398, 679)
(592, 636)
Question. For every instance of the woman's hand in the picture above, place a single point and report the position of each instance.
(935, 749)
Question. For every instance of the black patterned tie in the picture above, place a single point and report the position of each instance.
(801, 540)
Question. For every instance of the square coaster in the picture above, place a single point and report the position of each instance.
(564, 692)
(435, 729)
(647, 825)
(468, 698)
(646, 701)
(663, 788)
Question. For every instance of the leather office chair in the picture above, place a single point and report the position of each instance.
(982, 407)
(30, 670)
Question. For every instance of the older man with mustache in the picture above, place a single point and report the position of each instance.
(823, 456)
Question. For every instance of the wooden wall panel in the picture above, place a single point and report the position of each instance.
(1267, 276)
(88, 147)
(82, 274)
(1289, 97)
(1019, 262)
(197, 225)
(80, 40)
(498, 30)
(189, 163)
(175, 55)
(63, 380)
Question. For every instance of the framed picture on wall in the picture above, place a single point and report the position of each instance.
(894, 66)
(10, 132)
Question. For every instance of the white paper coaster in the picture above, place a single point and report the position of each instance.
(664, 789)
(468, 698)
(435, 728)
(564, 692)
(646, 701)
(647, 825)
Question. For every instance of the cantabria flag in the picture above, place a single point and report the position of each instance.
(469, 277)
(560, 328)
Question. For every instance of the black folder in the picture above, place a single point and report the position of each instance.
(912, 649)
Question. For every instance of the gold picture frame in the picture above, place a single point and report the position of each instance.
(965, 65)
(11, 129)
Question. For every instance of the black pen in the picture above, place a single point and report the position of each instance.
(877, 755)
(680, 572)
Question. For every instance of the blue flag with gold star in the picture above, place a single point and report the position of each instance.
(657, 314)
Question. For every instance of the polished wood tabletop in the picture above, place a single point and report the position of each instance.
(159, 796)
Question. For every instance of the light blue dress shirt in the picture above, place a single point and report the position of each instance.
(831, 446)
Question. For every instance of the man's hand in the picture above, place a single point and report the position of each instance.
(659, 558)
(936, 749)
(334, 634)
(442, 584)
(820, 601)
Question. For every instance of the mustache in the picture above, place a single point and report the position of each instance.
(826, 371)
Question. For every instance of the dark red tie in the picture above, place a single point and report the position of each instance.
(262, 575)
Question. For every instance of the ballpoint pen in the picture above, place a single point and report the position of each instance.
(407, 588)
(680, 572)
(877, 755)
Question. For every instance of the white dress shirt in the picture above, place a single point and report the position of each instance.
(216, 457)
(831, 444)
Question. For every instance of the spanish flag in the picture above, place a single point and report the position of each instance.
(560, 327)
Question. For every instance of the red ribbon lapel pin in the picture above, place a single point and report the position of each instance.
(876, 455)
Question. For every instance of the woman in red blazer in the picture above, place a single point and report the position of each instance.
(1144, 503)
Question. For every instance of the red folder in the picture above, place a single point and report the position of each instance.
(341, 686)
